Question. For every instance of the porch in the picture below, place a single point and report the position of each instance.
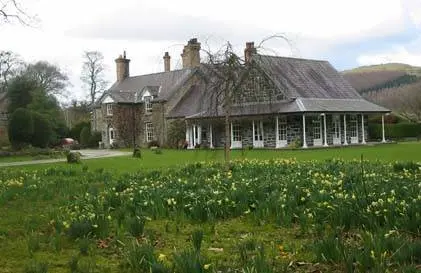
(280, 131)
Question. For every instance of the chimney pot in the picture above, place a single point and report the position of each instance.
(249, 51)
(167, 62)
(122, 67)
(191, 54)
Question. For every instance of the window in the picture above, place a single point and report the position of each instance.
(236, 132)
(336, 127)
(109, 109)
(317, 132)
(149, 131)
(282, 128)
(354, 126)
(148, 103)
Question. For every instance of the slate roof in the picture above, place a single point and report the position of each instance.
(309, 85)
(162, 85)
(306, 78)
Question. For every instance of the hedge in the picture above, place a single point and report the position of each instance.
(395, 131)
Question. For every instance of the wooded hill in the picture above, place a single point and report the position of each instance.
(395, 86)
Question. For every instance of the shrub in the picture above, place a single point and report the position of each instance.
(395, 131)
(94, 139)
(77, 129)
(21, 128)
(73, 157)
(137, 153)
(42, 130)
(85, 136)
(36, 267)
(153, 143)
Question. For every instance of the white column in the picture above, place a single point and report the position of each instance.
(194, 136)
(254, 133)
(187, 134)
(232, 137)
(304, 132)
(345, 136)
(362, 129)
(325, 131)
(210, 136)
(199, 134)
(383, 136)
(277, 132)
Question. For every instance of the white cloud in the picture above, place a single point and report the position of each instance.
(398, 55)
(146, 29)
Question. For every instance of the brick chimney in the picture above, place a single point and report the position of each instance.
(249, 51)
(122, 67)
(167, 62)
(191, 54)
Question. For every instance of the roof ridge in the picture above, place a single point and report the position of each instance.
(293, 58)
(162, 72)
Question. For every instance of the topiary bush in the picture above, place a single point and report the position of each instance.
(21, 128)
(153, 143)
(94, 139)
(43, 130)
(73, 157)
(85, 136)
(137, 153)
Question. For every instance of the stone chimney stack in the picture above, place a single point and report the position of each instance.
(122, 67)
(167, 62)
(249, 51)
(191, 54)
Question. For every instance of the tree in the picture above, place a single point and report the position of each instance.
(21, 128)
(226, 76)
(93, 74)
(9, 65)
(85, 136)
(10, 11)
(48, 77)
(19, 92)
(43, 131)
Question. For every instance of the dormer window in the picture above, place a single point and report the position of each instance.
(148, 103)
(109, 109)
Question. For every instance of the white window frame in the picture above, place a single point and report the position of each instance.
(149, 132)
(109, 107)
(317, 131)
(148, 103)
(236, 140)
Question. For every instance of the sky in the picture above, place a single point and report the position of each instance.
(347, 33)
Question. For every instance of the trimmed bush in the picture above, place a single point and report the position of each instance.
(73, 157)
(94, 139)
(85, 136)
(42, 131)
(21, 128)
(137, 153)
(153, 143)
(395, 131)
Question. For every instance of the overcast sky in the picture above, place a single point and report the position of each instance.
(348, 33)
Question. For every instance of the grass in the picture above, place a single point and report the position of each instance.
(406, 151)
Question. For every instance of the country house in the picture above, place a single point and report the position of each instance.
(281, 102)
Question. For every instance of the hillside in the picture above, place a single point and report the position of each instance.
(376, 77)
(394, 86)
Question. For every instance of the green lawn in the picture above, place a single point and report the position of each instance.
(406, 151)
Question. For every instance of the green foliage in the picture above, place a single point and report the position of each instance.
(42, 131)
(76, 130)
(197, 238)
(153, 143)
(19, 92)
(94, 139)
(135, 226)
(139, 257)
(73, 157)
(21, 128)
(176, 134)
(137, 153)
(402, 80)
(85, 135)
(395, 131)
(36, 267)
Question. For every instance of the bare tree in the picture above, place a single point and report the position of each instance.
(9, 65)
(227, 76)
(93, 74)
(11, 11)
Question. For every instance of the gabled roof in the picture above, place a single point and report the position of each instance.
(306, 78)
(309, 85)
(165, 82)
